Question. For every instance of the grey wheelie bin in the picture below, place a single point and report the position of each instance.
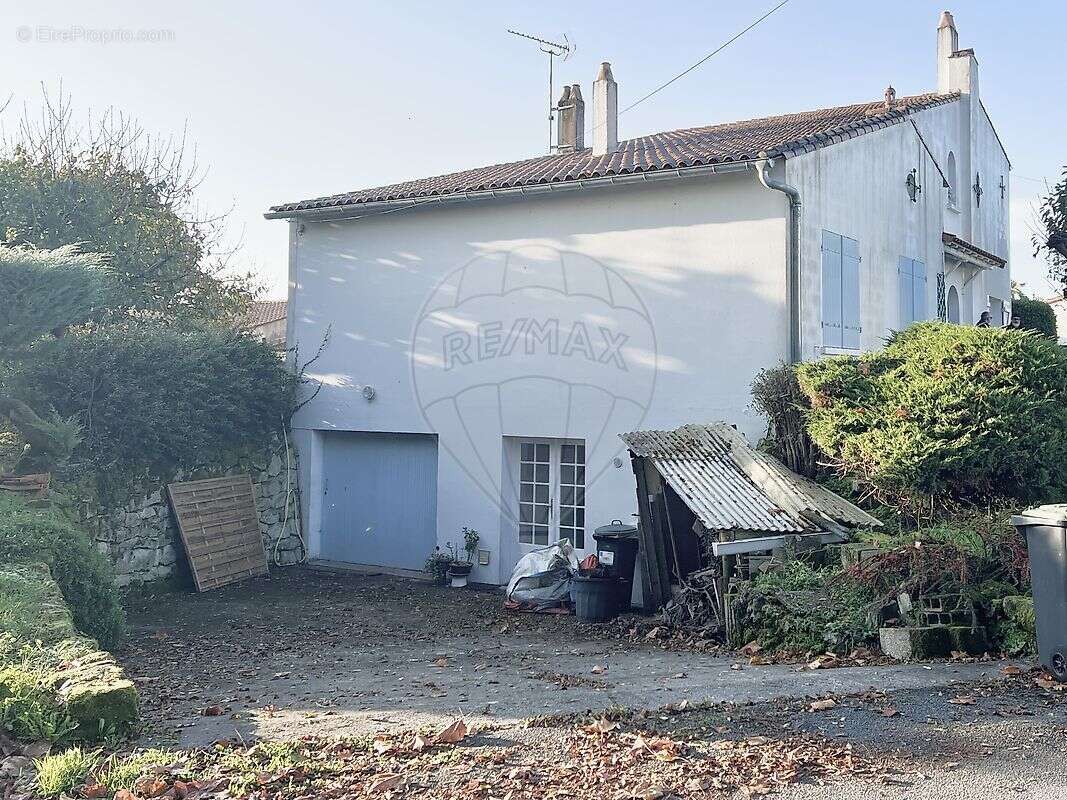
(1045, 528)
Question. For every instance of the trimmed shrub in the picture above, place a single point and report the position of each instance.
(152, 400)
(85, 577)
(945, 414)
(1035, 315)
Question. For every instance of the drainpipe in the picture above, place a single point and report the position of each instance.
(763, 170)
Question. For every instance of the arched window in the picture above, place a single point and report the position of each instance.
(953, 305)
(950, 173)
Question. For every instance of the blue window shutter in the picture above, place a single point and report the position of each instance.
(907, 299)
(850, 293)
(918, 290)
(831, 289)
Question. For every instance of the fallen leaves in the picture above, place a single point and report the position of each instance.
(1049, 684)
(399, 744)
(825, 661)
(454, 733)
(383, 783)
(823, 705)
(888, 711)
(963, 700)
(602, 725)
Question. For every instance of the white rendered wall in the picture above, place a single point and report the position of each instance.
(857, 188)
(705, 257)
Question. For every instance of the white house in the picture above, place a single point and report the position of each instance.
(490, 333)
(1059, 308)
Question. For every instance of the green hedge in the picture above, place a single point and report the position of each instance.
(153, 400)
(1035, 315)
(946, 412)
(48, 535)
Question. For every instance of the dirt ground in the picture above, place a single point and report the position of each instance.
(307, 654)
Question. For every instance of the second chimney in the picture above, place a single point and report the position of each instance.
(570, 135)
(605, 112)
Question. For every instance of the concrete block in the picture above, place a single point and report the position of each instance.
(972, 641)
(915, 644)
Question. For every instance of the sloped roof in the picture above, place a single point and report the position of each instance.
(961, 248)
(729, 485)
(263, 312)
(785, 135)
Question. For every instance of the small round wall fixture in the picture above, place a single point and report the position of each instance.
(369, 393)
(617, 462)
(913, 187)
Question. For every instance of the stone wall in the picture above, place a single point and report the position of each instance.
(142, 539)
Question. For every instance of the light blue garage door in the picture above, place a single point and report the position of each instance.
(379, 498)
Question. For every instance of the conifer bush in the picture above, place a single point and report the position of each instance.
(1035, 315)
(946, 414)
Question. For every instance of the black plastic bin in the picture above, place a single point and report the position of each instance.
(595, 599)
(1045, 529)
(616, 549)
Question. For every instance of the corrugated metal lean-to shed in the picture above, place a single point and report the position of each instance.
(219, 526)
(703, 491)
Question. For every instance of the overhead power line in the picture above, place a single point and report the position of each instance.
(714, 52)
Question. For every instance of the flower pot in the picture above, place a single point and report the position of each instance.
(458, 571)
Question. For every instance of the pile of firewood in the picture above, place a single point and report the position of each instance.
(697, 606)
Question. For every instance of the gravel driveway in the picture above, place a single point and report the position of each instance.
(307, 653)
(311, 654)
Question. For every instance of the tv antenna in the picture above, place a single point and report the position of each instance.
(553, 50)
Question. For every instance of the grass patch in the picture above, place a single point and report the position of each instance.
(28, 706)
(245, 766)
(62, 773)
(122, 772)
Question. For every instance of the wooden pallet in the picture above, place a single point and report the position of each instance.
(219, 526)
(35, 486)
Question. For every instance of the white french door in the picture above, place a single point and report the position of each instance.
(551, 493)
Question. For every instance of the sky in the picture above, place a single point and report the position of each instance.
(287, 101)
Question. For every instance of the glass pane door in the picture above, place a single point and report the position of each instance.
(552, 493)
(572, 494)
(535, 493)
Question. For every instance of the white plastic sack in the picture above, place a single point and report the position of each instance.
(542, 577)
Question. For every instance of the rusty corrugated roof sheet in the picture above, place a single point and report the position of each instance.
(785, 135)
(729, 485)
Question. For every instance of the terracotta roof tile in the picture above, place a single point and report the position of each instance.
(263, 312)
(963, 245)
(787, 135)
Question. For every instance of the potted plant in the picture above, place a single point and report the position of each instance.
(461, 567)
(437, 564)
